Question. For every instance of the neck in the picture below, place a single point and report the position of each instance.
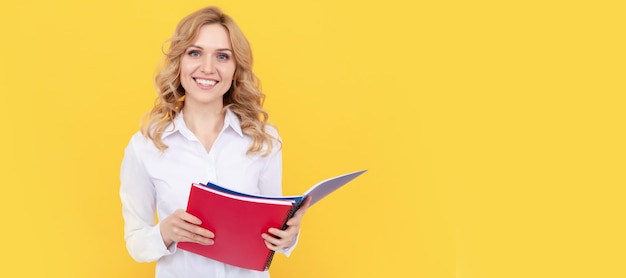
(203, 120)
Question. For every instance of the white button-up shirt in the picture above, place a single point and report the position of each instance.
(154, 181)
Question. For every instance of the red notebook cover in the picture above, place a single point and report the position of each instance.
(237, 223)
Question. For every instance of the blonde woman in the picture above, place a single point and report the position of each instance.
(207, 124)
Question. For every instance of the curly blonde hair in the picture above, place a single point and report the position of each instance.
(244, 97)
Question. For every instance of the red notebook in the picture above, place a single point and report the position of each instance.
(239, 219)
(237, 222)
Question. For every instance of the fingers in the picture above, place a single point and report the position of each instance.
(187, 232)
(280, 239)
(187, 236)
(276, 244)
(272, 241)
(282, 234)
(199, 230)
(190, 223)
(187, 217)
(183, 227)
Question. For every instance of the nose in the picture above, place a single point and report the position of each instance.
(207, 65)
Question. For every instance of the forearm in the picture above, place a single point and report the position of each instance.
(146, 244)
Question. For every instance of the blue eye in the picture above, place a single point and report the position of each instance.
(193, 53)
(223, 57)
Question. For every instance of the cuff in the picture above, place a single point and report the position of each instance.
(147, 245)
(166, 250)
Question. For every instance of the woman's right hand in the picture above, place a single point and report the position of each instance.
(184, 227)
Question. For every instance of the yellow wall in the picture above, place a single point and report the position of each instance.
(493, 132)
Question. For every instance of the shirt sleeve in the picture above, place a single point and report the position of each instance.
(271, 177)
(137, 193)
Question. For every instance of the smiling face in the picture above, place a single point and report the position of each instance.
(207, 67)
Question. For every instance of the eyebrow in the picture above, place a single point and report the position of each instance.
(219, 49)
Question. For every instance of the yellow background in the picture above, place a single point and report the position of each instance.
(493, 132)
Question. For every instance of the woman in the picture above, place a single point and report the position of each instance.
(208, 124)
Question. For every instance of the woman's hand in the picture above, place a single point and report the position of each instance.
(183, 227)
(287, 238)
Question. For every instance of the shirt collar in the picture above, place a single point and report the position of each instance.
(230, 120)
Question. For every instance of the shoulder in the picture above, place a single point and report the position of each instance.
(140, 144)
(272, 130)
(276, 140)
(137, 138)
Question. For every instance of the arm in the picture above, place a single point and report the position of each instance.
(145, 239)
(270, 183)
(138, 196)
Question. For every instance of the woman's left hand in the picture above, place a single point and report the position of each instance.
(280, 239)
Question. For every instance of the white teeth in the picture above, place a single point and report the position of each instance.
(206, 82)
